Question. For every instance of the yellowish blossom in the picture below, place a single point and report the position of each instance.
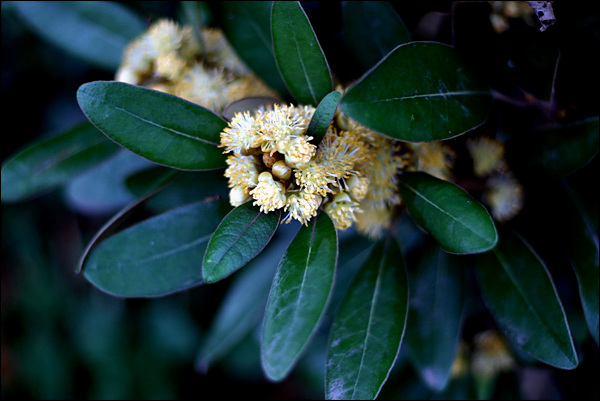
(242, 171)
(301, 206)
(241, 134)
(487, 154)
(491, 355)
(342, 210)
(504, 194)
(433, 158)
(268, 193)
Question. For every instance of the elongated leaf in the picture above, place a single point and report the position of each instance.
(242, 235)
(158, 256)
(372, 30)
(368, 327)
(247, 26)
(299, 295)
(581, 246)
(434, 317)
(519, 292)
(561, 150)
(162, 128)
(51, 162)
(420, 92)
(96, 31)
(323, 115)
(299, 56)
(458, 222)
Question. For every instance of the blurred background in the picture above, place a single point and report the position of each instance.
(63, 338)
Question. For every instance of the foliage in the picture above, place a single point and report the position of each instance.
(488, 223)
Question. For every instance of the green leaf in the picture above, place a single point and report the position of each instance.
(240, 311)
(420, 92)
(434, 317)
(561, 150)
(242, 235)
(521, 296)
(368, 327)
(299, 295)
(158, 256)
(299, 56)
(458, 222)
(372, 30)
(247, 27)
(322, 117)
(160, 127)
(51, 162)
(581, 246)
(95, 31)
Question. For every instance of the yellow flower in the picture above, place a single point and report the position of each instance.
(491, 355)
(433, 158)
(242, 171)
(268, 194)
(487, 154)
(504, 195)
(342, 210)
(241, 134)
(302, 206)
(374, 220)
(165, 36)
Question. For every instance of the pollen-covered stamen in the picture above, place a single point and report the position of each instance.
(242, 171)
(302, 206)
(241, 135)
(268, 194)
(342, 210)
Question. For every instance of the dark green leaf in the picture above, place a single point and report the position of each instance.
(299, 295)
(561, 150)
(420, 92)
(157, 256)
(298, 53)
(242, 235)
(372, 30)
(96, 31)
(102, 189)
(240, 311)
(581, 245)
(247, 26)
(248, 104)
(434, 317)
(323, 116)
(160, 127)
(519, 292)
(51, 162)
(147, 180)
(458, 222)
(368, 327)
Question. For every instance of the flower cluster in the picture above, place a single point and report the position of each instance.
(504, 194)
(204, 70)
(274, 162)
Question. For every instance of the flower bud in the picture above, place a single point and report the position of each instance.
(281, 170)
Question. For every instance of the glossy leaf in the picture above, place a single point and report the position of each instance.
(322, 117)
(299, 56)
(247, 26)
(160, 127)
(242, 235)
(458, 222)
(95, 31)
(519, 292)
(581, 246)
(51, 162)
(421, 91)
(561, 150)
(434, 317)
(158, 256)
(368, 327)
(299, 295)
(372, 30)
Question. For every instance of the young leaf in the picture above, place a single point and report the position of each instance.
(299, 295)
(323, 115)
(368, 327)
(299, 56)
(247, 26)
(96, 31)
(158, 256)
(372, 30)
(458, 222)
(160, 127)
(421, 91)
(521, 296)
(242, 235)
(434, 317)
(51, 162)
